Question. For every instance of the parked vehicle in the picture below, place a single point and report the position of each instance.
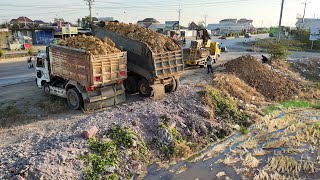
(247, 35)
(149, 73)
(86, 81)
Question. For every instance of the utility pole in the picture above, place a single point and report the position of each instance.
(280, 21)
(89, 3)
(205, 21)
(179, 11)
(304, 12)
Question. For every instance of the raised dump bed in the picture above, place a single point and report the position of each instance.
(148, 72)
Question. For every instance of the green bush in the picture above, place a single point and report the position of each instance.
(1, 53)
(30, 51)
(278, 51)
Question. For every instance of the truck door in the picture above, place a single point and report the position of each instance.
(42, 69)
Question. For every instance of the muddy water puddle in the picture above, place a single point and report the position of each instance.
(283, 145)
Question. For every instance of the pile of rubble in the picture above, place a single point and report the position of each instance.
(91, 44)
(157, 42)
(266, 81)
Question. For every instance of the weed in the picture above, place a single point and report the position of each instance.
(121, 136)
(9, 115)
(244, 130)
(225, 107)
(1, 53)
(291, 104)
(105, 154)
(52, 105)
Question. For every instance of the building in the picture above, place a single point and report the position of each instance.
(226, 26)
(105, 19)
(193, 26)
(307, 23)
(160, 28)
(21, 20)
(147, 22)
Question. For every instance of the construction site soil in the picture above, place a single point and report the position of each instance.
(269, 83)
(156, 41)
(91, 44)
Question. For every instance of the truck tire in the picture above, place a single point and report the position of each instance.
(131, 84)
(177, 84)
(46, 89)
(171, 87)
(74, 99)
(144, 88)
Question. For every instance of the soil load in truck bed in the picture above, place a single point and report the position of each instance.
(156, 41)
(91, 45)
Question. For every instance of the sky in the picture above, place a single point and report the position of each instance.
(263, 12)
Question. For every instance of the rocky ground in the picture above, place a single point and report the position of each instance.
(180, 124)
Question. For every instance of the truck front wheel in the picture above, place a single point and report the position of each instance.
(171, 87)
(74, 99)
(144, 88)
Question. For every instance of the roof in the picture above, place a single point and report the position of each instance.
(39, 22)
(223, 20)
(149, 20)
(24, 19)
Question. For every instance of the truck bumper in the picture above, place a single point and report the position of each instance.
(111, 95)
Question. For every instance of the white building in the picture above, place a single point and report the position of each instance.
(232, 26)
(307, 23)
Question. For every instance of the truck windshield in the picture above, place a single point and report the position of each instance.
(40, 62)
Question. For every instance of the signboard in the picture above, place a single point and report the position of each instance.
(315, 33)
(172, 24)
(63, 30)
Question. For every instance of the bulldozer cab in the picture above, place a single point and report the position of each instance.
(215, 48)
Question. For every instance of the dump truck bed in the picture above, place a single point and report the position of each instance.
(88, 70)
(142, 60)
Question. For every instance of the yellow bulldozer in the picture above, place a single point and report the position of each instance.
(198, 52)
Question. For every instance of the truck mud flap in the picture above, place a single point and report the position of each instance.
(112, 96)
(159, 91)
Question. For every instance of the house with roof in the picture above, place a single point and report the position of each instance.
(307, 23)
(232, 26)
(147, 22)
(21, 20)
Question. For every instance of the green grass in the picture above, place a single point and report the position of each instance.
(296, 104)
(291, 104)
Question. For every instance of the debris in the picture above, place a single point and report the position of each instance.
(221, 174)
(91, 132)
(250, 161)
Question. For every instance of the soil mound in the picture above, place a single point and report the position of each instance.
(156, 41)
(91, 44)
(266, 81)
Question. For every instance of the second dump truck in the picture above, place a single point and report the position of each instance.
(87, 81)
(149, 73)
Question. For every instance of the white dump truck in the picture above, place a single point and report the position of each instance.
(86, 81)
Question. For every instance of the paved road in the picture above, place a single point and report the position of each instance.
(15, 71)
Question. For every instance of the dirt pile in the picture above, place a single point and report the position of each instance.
(157, 42)
(91, 44)
(238, 89)
(269, 83)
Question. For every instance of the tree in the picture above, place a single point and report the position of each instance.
(58, 19)
(201, 25)
(85, 22)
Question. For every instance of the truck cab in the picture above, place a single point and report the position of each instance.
(43, 68)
